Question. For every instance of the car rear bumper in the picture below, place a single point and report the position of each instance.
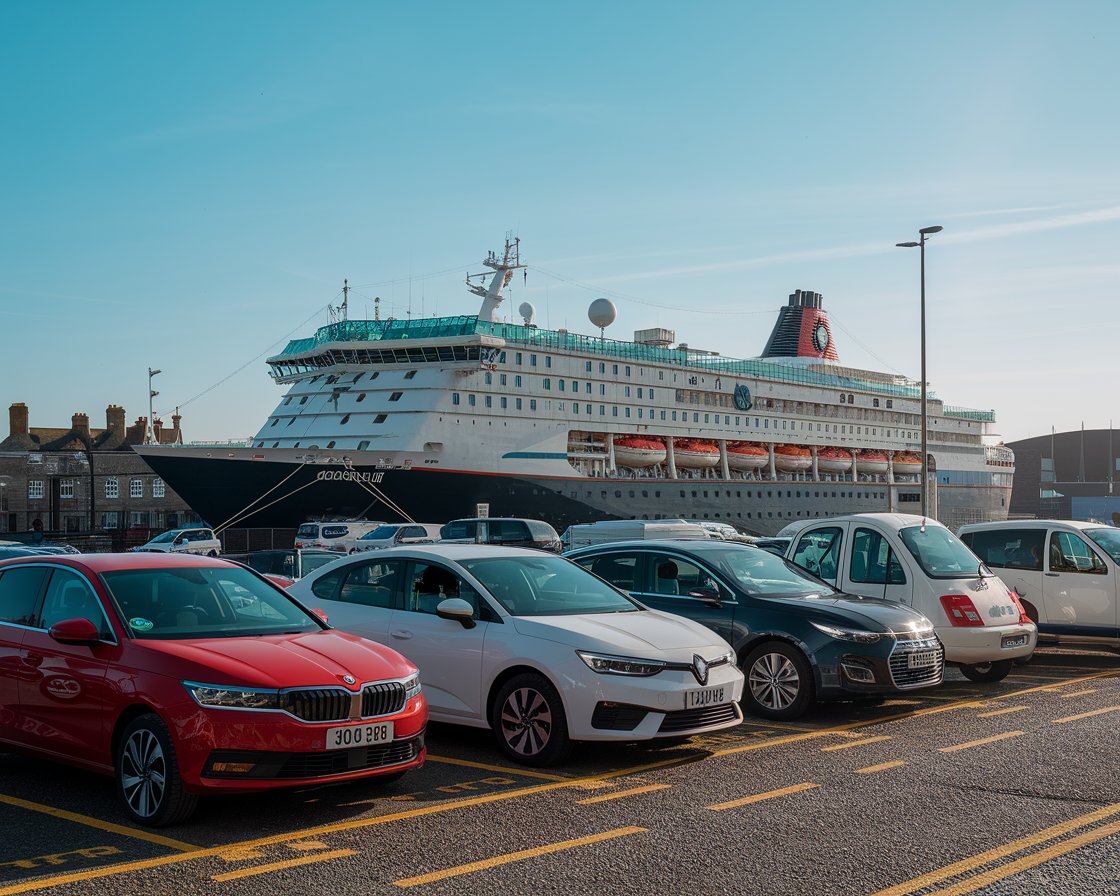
(984, 644)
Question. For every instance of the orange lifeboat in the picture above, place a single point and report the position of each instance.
(834, 460)
(696, 454)
(792, 458)
(869, 460)
(907, 463)
(639, 451)
(746, 456)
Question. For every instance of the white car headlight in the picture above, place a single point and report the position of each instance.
(227, 697)
(606, 664)
(846, 634)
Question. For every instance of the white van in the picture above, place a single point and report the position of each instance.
(1067, 574)
(586, 534)
(392, 534)
(917, 561)
(333, 535)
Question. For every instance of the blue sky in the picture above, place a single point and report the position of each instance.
(184, 184)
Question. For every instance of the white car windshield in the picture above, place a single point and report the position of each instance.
(380, 533)
(165, 537)
(546, 586)
(762, 574)
(940, 553)
(1107, 540)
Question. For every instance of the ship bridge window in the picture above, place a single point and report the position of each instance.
(454, 397)
(627, 412)
(358, 377)
(291, 420)
(375, 374)
(380, 418)
(275, 420)
(363, 444)
(288, 400)
(502, 358)
(561, 383)
(547, 383)
(628, 370)
(274, 444)
(587, 366)
(488, 400)
(602, 367)
(344, 420)
(361, 396)
(548, 360)
(410, 374)
(517, 382)
(303, 399)
(575, 407)
(626, 391)
(614, 369)
(662, 415)
(330, 444)
(317, 376)
(575, 385)
(502, 381)
(471, 400)
(296, 445)
(517, 358)
(504, 403)
(488, 378)
(517, 404)
(614, 411)
(532, 360)
(602, 388)
(602, 410)
(532, 404)
(396, 396)
(640, 390)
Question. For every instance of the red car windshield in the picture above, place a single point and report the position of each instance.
(203, 602)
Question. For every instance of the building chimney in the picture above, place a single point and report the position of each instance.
(157, 428)
(80, 424)
(114, 420)
(18, 418)
(135, 433)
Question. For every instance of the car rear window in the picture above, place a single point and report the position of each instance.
(308, 530)
(939, 552)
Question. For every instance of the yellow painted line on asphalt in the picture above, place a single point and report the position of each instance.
(504, 769)
(956, 869)
(633, 791)
(979, 743)
(881, 767)
(1001, 712)
(452, 805)
(1019, 865)
(135, 833)
(1084, 693)
(1085, 715)
(759, 797)
(289, 863)
(482, 865)
(856, 743)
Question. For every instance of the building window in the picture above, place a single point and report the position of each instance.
(517, 404)
(532, 360)
(517, 381)
(502, 379)
(503, 402)
(489, 401)
(517, 358)
(548, 361)
(109, 520)
(112, 490)
(454, 397)
(137, 519)
(471, 400)
(532, 404)
(66, 488)
(547, 383)
(34, 488)
(136, 488)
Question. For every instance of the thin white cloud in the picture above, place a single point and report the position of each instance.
(1015, 228)
(60, 296)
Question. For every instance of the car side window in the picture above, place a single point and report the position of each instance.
(431, 584)
(670, 575)
(372, 584)
(70, 597)
(873, 561)
(621, 570)
(19, 594)
(819, 552)
(326, 586)
(1008, 548)
(1068, 553)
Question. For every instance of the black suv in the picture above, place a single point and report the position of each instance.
(506, 531)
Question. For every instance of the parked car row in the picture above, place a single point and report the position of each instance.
(353, 536)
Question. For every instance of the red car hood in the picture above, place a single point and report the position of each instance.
(316, 659)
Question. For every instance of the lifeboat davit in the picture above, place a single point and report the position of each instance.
(870, 461)
(695, 454)
(639, 451)
(907, 463)
(746, 456)
(792, 458)
(834, 460)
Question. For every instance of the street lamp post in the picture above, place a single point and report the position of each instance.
(149, 436)
(923, 233)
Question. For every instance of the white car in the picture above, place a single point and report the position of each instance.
(393, 534)
(190, 540)
(532, 646)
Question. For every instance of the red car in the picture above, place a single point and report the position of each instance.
(184, 675)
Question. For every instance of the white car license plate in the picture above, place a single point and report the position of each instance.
(923, 659)
(1013, 641)
(346, 737)
(698, 698)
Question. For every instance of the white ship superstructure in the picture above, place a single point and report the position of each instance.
(431, 416)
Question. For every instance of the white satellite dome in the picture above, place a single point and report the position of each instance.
(527, 312)
(602, 313)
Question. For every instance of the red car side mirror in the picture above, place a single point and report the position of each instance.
(75, 631)
(321, 613)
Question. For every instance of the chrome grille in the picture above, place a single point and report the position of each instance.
(382, 699)
(904, 677)
(319, 704)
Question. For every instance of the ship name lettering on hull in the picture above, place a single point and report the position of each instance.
(349, 476)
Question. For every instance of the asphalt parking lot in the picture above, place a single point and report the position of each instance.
(990, 789)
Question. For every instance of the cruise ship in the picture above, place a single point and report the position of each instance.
(428, 419)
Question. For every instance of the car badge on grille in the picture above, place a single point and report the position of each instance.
(700, 668)
(349, 679)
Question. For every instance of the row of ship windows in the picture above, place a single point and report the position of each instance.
(36, 488)
(739, 493)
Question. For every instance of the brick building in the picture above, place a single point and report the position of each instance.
(78, 481)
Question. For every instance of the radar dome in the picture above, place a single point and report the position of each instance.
(527, 311)
(602, 313)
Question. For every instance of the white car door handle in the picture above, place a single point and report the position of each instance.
(401, 633)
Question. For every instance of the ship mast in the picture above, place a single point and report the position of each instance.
(503, 272)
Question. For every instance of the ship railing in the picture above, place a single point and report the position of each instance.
(969, 414)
